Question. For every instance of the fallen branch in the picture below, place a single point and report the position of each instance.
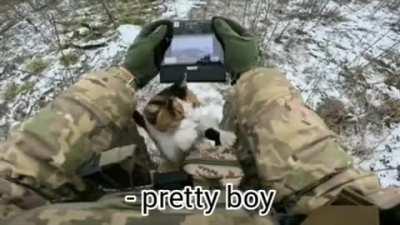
(88, 46)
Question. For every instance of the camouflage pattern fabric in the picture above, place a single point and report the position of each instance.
(39, 161)
(212, 165)
(294, 151)
(111, 210)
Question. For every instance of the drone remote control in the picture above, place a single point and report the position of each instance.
(194, 53)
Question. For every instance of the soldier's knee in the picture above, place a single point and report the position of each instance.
(265, 83)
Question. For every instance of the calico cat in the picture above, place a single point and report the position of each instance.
(173, 120)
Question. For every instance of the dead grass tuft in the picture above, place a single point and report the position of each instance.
(334, 114)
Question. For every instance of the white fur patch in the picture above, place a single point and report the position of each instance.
(186, 134)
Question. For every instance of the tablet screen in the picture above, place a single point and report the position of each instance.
(193, 49)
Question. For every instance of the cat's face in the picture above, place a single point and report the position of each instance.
(167, 109)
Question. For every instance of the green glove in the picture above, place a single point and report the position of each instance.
(145, 55)
(240, 47)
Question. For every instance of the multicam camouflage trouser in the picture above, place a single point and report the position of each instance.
(111, 210)
(38, 162)
(294, 153)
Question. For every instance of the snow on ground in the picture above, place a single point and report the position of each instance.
(55, 77)
(128, 33)
(316, 64)
(314, 50)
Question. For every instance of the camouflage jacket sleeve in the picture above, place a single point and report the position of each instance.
(39, 161)
(294, 152)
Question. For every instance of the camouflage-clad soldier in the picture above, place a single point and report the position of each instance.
(292, 149)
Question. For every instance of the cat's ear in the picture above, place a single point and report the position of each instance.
(182, 83)
(179, 89)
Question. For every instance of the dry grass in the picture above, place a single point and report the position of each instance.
(36, 65)
(13, 90)
(334, 114)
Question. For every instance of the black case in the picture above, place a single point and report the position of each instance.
(201, 71)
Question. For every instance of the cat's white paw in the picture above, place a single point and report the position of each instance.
(227, 138)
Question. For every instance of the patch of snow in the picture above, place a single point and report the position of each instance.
(83, 31)
(385, 159)
(128, 33)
